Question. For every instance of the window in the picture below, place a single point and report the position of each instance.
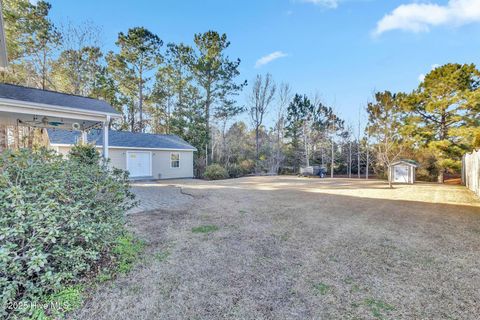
(175, 160)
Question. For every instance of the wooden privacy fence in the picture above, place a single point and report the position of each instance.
(471, 171)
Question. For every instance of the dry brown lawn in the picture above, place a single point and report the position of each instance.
(296, 248)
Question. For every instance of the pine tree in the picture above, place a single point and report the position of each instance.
(131, 67)
(215, 74)
(444, 113)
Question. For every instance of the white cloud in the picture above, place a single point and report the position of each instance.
(420, 17)
(324, 3)
(269, 58)
(421, 77)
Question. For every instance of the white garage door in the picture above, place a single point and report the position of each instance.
(139, 164)
(400, 174)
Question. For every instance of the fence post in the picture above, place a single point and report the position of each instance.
(471, 171)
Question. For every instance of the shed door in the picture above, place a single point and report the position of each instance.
(400, 174)
(139, 164)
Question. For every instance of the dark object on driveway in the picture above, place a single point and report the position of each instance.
(313, 171)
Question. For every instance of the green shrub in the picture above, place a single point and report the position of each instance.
(215, 172)
(235, 171)
(85, 153)
(58, 217)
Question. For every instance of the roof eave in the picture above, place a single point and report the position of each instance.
(127, 148)
(51, 107)
(405, 162)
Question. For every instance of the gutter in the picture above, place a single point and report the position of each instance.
(49, 107)
(127, 148)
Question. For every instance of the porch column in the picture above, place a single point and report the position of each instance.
(84, 137)
(105, 137)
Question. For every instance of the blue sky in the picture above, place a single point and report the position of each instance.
(343, 50)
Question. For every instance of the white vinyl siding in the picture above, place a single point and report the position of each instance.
(161, 162)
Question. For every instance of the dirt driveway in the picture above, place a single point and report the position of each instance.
(295, 248)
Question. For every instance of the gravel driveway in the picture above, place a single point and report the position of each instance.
(295, 248)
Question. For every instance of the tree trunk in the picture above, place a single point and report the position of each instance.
(333, 159)
(168, 117)
(307, 156)
(212, 149)
(207, 124)
(223, 155)
(132, 120)
(350, 160)
(441, 176)
(140, 100)
(257, 144)
(389, 175)
(367, 164)
(278, 153)
(44, 71)
(359, 173)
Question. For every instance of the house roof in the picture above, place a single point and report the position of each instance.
(57, 99)
(408, 162)
(122, 139)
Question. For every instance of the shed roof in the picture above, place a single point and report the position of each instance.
(407, 162)
(123, 139)
(57, 99)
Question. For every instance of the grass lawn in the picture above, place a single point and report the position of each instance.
(294, 248)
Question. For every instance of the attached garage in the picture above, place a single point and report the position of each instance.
(145, 156)
(403, 171)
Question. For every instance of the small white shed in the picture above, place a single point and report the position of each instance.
(403, 171)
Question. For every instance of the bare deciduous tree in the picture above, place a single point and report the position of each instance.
(384, 126)
(262, 95)
(80, 61)
(284, 97)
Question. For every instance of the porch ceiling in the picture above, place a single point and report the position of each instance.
(49, 120)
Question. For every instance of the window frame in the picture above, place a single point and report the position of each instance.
(171, 160)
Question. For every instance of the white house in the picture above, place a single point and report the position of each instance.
(144, 155)
(23, 107)
(67, 118)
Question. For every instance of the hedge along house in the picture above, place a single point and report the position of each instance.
(26, 113)
(144, 155)
(403, 171)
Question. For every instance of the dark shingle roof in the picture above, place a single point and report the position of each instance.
(10, 91)
(122, 139)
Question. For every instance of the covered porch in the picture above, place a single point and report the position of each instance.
(26, 113)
